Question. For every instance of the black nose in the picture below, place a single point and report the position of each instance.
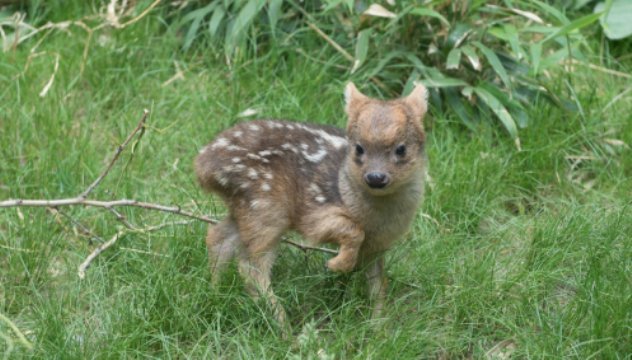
(376, 180)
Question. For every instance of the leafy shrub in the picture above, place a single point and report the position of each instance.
(481, 58)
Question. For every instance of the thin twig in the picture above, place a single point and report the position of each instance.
(82, 200)
(344, 53)
(331, 42)
(141, 15)
(84, 229)
(81, 270)
(118, 152)
(120, 217)
(77, 201)
(599, 68)
(308, 247)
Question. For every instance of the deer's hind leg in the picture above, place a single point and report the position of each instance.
(222, 243)
(261, 232)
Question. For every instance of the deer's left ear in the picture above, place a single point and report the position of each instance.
(353, 99)
(417, 100)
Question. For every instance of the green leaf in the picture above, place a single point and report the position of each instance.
(362, 48)
(440, 82)
(509, 33)
(460, 107)
(410, 82)
(197, 16)
(414, 59)
(217, 17)
(244, 18)
(493, 60)
(274, 13)
(510, 102)
(422, 11)
(454, 58)
(192, 32)
(471, 55)
(383, 62)
(501, 112)
(576, 24)
(550, 10)
(458, 34)
(580, 3)
(616, 21)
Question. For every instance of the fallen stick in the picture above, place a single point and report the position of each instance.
(78, 201)
(81, 271)
(111, 205)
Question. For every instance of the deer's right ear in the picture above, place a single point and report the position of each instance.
(353, 99)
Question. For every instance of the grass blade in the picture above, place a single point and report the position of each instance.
(274, 13)
(580, 23)
(216, 19)
(536, 53)
(197, 16)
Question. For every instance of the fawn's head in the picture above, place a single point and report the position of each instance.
(386, 139)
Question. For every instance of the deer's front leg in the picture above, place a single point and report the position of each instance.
(376, 282)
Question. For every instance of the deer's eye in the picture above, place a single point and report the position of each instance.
(359, 150)
(400, 150)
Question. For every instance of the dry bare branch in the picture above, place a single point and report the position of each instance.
(111, 205)
(81, 270)
(308, 247)
(117, 153)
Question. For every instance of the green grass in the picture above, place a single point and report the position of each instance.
(523, 245)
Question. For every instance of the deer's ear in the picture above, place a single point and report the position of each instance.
(417, 100)
(353, 99)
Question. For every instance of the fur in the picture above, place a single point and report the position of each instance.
(359, 189)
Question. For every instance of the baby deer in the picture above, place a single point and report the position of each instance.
(358, 189)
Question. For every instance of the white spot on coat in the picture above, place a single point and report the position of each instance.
(222, 180)
(265, 187)
(321, 199)
(220, 143)
(314, 188)
(254, 204)
(315, 157)
(252, 173)
(335, 140)
(254, 127)
(234, 148)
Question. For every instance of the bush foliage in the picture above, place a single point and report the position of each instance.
(483, 59)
